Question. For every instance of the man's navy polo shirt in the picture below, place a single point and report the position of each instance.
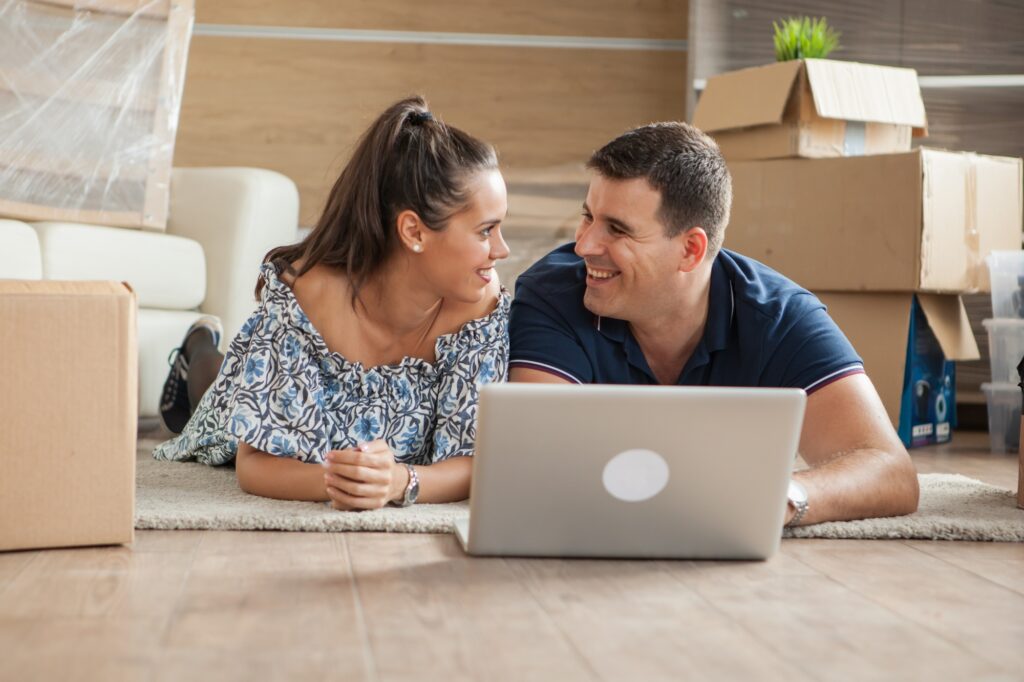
(762, 330)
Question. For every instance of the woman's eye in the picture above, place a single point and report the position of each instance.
(486, 232)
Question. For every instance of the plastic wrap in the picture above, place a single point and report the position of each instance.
(90, 93)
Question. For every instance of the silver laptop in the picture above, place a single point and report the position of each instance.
(631, 471)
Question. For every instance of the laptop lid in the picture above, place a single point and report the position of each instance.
(632, 471)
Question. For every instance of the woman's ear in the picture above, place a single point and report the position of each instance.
(411, 231)
(694, 248)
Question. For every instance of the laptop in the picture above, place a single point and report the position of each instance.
(631, 471)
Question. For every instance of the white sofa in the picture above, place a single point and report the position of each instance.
(221, 223)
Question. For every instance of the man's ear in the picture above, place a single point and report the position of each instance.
(694, 243)
(411, 231)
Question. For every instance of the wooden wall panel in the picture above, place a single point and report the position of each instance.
(660, 19)
(298, 106)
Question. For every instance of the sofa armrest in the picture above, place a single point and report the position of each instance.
(20, 257)
(237, 215)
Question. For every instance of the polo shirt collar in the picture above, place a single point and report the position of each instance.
(721, 310)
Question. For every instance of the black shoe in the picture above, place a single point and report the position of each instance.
(174, 406)
(174, 403)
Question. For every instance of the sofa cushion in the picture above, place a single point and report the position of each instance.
(19, 251)
(165, 271)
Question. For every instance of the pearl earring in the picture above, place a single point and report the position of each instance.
(417, 248)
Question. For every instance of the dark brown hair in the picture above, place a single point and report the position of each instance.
(406, 160)
(684, 165)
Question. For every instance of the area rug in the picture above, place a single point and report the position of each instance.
(189, 496)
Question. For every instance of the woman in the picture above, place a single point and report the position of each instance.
(356, 379)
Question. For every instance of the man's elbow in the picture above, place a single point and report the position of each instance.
(905, 491)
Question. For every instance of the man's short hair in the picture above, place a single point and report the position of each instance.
(684, 165)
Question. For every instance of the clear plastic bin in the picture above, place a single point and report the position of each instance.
(1004, 403)
(1006, 269)
(1005, 348)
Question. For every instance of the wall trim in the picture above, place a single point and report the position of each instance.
(1008, 80)
(437, 38)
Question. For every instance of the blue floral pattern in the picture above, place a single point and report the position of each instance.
(283, 392)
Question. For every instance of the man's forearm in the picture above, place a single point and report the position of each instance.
(859, 484)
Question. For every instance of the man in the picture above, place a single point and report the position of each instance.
(647, 295)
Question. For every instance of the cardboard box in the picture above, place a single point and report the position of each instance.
(916, 221)
(895, 333)
(69, 367)
(813, 108)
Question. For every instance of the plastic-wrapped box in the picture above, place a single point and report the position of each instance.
(90, 92)
(1006, 270)
(1005, 348)
(1004, 406)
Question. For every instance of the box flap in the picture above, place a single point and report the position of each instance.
(748, 97)
(46, 287)
(866, 92)
(878, 326)
(948, 319)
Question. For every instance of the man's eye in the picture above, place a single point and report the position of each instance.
(587, 217)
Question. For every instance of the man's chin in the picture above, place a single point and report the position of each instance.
(595, 305)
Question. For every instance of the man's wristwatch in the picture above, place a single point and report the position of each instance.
(412, 490)
(798, 498)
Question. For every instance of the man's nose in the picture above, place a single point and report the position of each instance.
(588, 240)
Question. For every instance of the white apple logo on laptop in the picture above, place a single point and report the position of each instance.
(635, 475)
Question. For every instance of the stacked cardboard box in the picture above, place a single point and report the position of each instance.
(67, 442)
(827, 191)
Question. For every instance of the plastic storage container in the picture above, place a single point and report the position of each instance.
(1006, 269)
(1004, 403)
(1005, 348)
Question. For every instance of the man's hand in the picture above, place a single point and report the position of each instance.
(364, 477)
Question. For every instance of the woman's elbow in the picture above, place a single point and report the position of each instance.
(244, 471)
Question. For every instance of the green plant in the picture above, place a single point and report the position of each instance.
(804, 38)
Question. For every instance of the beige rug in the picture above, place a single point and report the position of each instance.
(188, 496)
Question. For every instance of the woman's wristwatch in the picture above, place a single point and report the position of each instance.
(412, 490)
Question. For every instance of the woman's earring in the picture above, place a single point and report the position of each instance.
(417, 248)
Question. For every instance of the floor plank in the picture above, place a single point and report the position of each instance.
(822, 627)
(12, 564)
(434, 613)
(249, 593)
(964, 609)
(282, 606)
(634, 620)
(96, 582)
(77, 648)
(999, 562)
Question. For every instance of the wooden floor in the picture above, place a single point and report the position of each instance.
(264, 605)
